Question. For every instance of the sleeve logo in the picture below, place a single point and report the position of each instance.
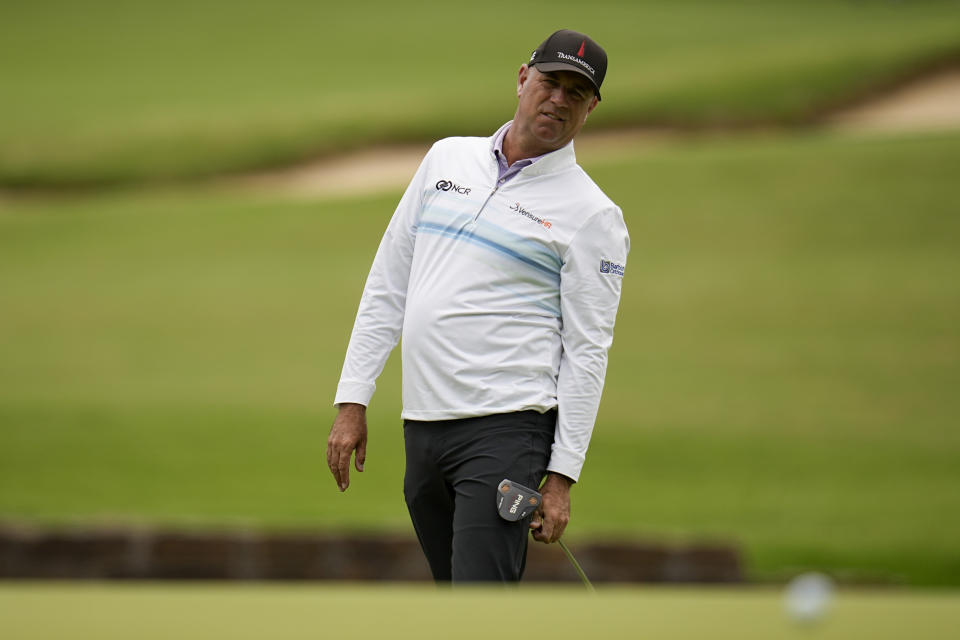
(611, 268)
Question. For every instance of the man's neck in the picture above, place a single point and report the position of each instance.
(514, 149)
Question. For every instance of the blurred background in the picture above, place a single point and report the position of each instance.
(191, 194)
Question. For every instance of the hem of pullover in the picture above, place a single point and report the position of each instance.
(456, 414)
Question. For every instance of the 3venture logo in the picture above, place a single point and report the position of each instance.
(519, 209)
(446, 185)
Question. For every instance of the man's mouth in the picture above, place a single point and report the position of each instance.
(552, 116)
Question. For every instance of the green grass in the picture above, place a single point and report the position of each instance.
(117, 92)
(404, 611)
(783, 376)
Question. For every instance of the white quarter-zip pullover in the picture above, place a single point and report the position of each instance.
(505, 294)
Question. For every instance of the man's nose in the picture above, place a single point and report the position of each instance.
(559, 95)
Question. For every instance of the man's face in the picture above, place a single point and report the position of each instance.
(553, 105)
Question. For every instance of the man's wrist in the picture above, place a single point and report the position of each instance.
(352, 407)
(554, 477)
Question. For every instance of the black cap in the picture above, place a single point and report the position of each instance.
(567, 50)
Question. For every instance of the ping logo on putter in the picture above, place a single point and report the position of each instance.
(515, 501)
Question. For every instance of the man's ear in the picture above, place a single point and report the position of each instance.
(522, 76)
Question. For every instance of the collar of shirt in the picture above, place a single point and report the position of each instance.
(504, 172)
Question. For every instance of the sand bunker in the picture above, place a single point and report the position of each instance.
(931, 103)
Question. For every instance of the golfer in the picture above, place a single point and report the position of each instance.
(501, 271)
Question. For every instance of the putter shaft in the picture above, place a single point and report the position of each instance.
(576, 565)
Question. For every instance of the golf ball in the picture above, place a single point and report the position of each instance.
(808, 597)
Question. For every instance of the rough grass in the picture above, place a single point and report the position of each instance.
(118, 92)
(783, 375)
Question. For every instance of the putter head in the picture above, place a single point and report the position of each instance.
(515, 501)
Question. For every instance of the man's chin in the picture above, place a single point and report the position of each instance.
(553, 136)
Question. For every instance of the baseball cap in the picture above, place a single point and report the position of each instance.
(567, 50)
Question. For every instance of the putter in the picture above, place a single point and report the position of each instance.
(515, 502)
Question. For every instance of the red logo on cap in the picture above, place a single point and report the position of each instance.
(582, 45)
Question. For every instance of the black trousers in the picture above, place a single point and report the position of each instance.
(453, 470)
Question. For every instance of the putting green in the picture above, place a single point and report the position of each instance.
(144, 611)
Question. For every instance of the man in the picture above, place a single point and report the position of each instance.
(501, 268)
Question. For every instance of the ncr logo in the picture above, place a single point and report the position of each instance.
(446, 185)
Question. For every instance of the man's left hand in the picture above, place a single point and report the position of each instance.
(549, 521)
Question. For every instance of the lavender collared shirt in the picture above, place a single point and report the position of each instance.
(506, 172)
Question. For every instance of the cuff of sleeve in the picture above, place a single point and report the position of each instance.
(356, 392)
(565, 462)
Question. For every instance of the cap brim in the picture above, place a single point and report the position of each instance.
(563, 66)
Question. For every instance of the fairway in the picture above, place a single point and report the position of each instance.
(783, 374)
(146, 611)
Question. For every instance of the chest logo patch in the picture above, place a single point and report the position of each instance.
(446, 185)
(517, 208)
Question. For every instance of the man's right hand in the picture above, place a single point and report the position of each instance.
(348, 434)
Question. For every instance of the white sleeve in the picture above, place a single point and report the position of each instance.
(379, 321)
(590, 283)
